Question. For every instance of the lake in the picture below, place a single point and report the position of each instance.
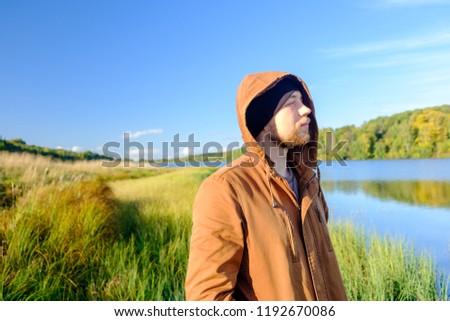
(405, 198)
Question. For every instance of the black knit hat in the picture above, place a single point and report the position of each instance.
(262, 108)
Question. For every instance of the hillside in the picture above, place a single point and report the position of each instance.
(420, 133)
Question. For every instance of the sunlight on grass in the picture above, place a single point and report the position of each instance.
(80, 233)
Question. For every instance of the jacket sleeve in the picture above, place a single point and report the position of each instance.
(217, 242)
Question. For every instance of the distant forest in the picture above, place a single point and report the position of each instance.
(20, 146)
(421, 133)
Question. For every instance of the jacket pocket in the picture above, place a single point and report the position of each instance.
(323, 225)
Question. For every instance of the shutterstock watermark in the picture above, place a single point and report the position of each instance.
(212, 153)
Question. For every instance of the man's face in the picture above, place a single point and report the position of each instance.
(290, 124)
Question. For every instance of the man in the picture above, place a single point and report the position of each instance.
(259, 224)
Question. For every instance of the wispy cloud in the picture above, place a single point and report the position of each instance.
(185, 151)
(135, 151)
(75, 148)
(391, 4)
(145, 132)
(389, 46)
(423, 58)
(429, 85)
(421, 89)
(147, 154)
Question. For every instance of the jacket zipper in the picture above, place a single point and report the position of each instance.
(290, 228)
(289, 224)
(323, 227)
(287, 221)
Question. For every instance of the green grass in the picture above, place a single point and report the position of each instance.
(156, 237)
(128, 239)
(52, 239)
(383, 268)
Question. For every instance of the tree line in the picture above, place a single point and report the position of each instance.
(421, 133)
(20, 146)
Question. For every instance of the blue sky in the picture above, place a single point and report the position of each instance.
(78, 74)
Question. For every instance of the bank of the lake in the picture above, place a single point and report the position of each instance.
(406, 198)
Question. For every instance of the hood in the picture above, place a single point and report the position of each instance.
(256, 84)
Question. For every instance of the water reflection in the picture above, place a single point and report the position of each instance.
(429, 193)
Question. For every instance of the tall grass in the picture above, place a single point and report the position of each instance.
(57, 220)
(383, 268)
(156, 238)
(52, 240)
(85, 237)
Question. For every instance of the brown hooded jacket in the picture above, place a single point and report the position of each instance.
(252, 239)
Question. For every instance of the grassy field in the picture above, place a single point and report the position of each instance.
(77, 231)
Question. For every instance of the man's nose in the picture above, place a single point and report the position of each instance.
(304, 110)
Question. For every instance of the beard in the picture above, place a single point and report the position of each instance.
(292, 139)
